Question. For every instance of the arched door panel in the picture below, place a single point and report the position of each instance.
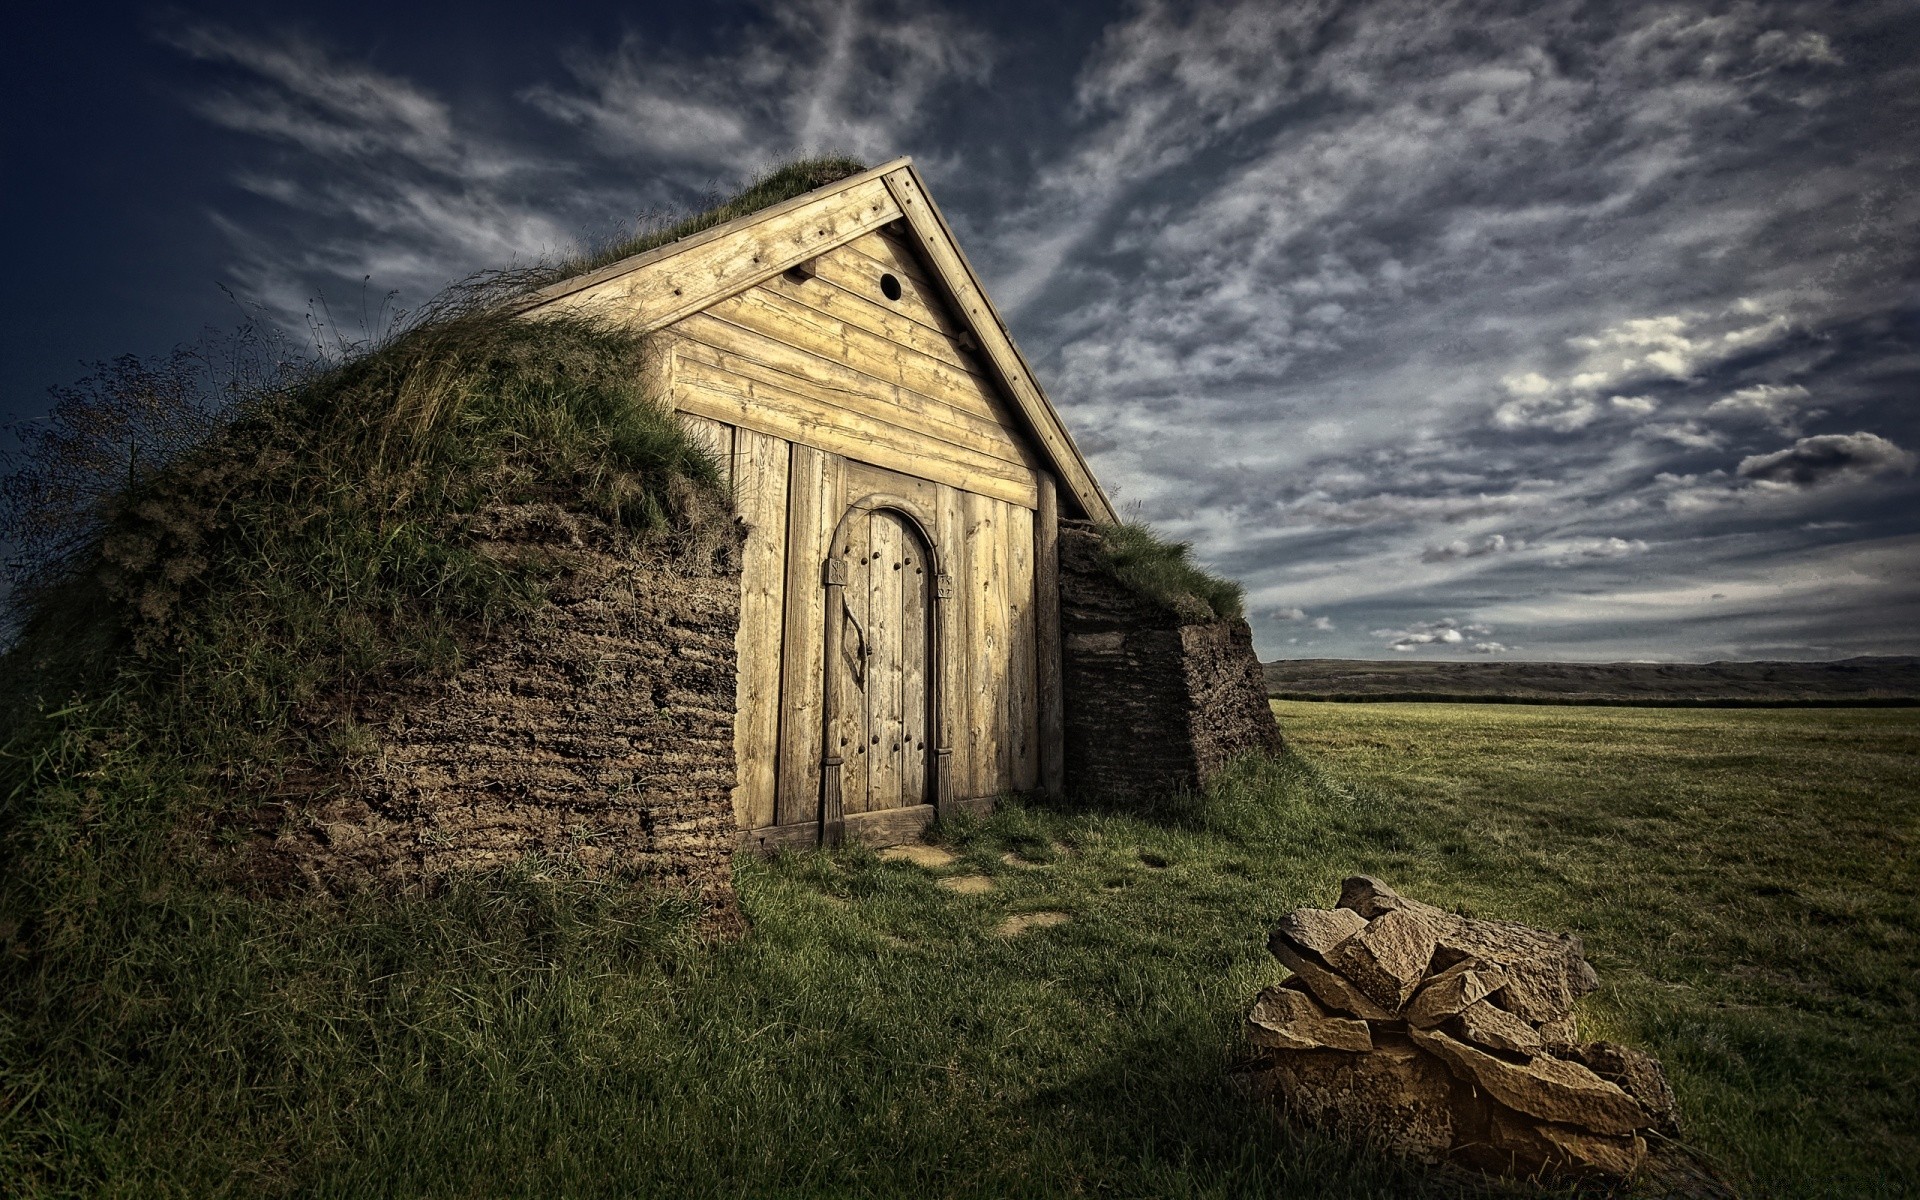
(883, 717)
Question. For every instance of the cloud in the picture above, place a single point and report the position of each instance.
(1778, 48)
(1493, 543)
(1445, 632)
(1780, 407)
(1489, 648)
(376, 177)
(1826, 459)
(813, 76)
(1690, 434)
(1610, 547)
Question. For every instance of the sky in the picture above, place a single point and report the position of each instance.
(1544, 330)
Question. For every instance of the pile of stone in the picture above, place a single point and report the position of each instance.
(1449, 1039)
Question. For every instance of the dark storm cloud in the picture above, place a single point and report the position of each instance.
(1828, 458)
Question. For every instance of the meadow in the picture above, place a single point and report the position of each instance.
(1745, 881)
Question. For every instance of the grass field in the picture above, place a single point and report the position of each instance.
(1745, 881)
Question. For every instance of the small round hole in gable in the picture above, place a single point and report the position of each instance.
(890, 287)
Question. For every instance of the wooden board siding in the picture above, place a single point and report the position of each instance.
(815, 500)
(1022, 696)
(759, 473)
(818, 392)
(950, 530)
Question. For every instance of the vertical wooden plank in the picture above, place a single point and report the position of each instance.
(986, 581)
(717, 437)
(813, 508)
(950, 529)
(760, 494)
(1023, 757)
(915, 589)
(1046, 626)
(886, 663)
(851, 672)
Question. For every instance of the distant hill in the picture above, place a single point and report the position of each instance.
(1867, 681)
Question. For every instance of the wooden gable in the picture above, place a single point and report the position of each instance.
(951, 370)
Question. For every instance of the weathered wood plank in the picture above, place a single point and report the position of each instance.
(768, 312)
(856, 390)
(985, 582)
(851, 673)
(732, 390)
(814, 504)
(921, 303)
(886, 665)
(657, 289)
(1023, 750)
(915, 591)
(873, 313)
(1044, 424)
(892, 253)
(1046, 622)
(759, 471)
(950, 529)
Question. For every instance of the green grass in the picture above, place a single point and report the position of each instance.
(1165, 572)
(1745, 882)
(783, 182)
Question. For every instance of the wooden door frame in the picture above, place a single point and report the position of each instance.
(833, 576)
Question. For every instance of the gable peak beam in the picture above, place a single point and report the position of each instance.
(660, 286)
(936, 242)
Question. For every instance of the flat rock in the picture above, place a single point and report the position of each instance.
(1319, 930)
(1636, 1073)
(1013, 859)
(1288, 1019)
(1396, 1097)
(1548, 1088)
(1495, 1028)
(1518, 1145)
(1447, 993)
(1019, 923)
(930, 857)
(968, 885)
(1388, 959)
(1546, 972)
(1327, 987)
(1561, 1036)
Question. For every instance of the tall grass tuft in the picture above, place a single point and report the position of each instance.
(1165, 572)
(192, 658)
(781, 183)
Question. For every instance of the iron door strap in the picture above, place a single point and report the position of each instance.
(856, 659)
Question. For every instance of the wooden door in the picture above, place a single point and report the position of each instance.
(884, 712)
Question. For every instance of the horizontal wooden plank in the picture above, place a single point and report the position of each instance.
(725, 390)
(893, 253)
(709, 369)
(855, 390)
(922, 303)
(876, 317)
(815, 332)
(662, 291)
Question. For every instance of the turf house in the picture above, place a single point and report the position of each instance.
(762, 536)
(901, 477)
